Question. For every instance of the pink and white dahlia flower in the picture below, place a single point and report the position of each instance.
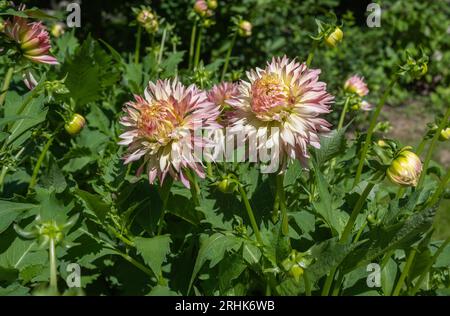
(160, 129)
(286, 97)
(356, 84)
(32, 38)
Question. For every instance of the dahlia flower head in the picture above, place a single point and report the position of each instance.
(289, 97)
(160, 129)
(356, 84)
(32, 38)
(220, 94)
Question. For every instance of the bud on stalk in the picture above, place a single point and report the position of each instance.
(405, 169)
(245, 28)
(75, 124)
(445, 134)
(334, 38)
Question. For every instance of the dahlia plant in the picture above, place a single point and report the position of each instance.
(184, 168)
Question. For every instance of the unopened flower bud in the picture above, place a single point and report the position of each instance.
(212, 4)
(356, 84)
(405, 169)
(381, 143)
(148, 20)
(202, 9)
(334, 38)
(245, 28)
(445, 134)
(227, 185)
(57, 29)
(75, 125)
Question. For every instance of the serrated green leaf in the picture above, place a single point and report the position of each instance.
(9, 211)
(154, 251)
(94, 204)
(213, 248)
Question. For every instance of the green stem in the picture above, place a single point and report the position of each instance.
(311, 53)
(53, 274)
(356, 209)
(6, 83)
(195, 190)
(307, 284)
(358, 235)
(120, 236)
(136, 263)
(250, 214)
(227, 57)
(282, 204)
(429, 265)
(373, 122)
(442, 124)
(39, 163)
(198, 47)
(337, 285)
(405, 272)
(344, 111)
(138, 45)
(192, 45)
(440, 189)
(328, 282)
(161, 49)
(165, 191)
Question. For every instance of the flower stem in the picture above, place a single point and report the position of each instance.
(227, 57)
(195, 190)
(282, 204)
(161, 49)
(164, 194)
(405, 272)
(6, 83)
(344, 111)
(311, 53)
(440, 189)
(356, 209)
(192, 45)
(39, 163)
(52, 258)
(442, 124)
(347, 230)
(138, 45)
(429, 265)
(373, 122)
(198, 47)
(250, 214)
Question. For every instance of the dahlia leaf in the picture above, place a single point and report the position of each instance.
(153, 251)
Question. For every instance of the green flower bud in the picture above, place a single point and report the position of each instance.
(405, 169)
(227, 185)
(57, 29)
(202, 9)
(148, 20)
(245, 28)
(334, 37)
(212, 4)
(445, 134)
(75, 124)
